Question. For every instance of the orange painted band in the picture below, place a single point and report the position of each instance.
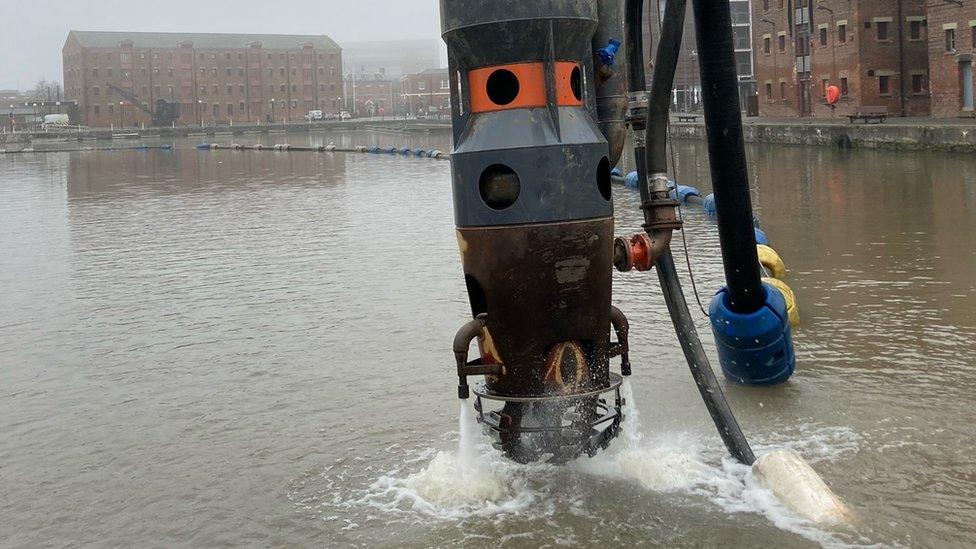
(531, 87)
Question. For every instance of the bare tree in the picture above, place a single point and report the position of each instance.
(46, 90)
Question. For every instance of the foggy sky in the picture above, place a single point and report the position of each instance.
(32, 32)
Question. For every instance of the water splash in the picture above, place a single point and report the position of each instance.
(467, 431)
(474, 480)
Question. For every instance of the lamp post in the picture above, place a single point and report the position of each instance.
(272, 110)
(773, 47)
(200, 112)
(35, 113)
(121, 122)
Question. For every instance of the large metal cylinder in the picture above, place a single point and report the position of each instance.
(531, 182)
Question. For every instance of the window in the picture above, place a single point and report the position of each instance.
(823, 36)
(769, 91)
(230, 90)
(94, 71)
(111, 108)
(142, 56)
(782, 90)
(882, 29)
(918, 83)
(915, 30)
(97, 108)
(228, 72)
(155, 72)
(842, 33)
(227, 56)
(230, 109)
(974, 37)
(169, 72)
(240, 71)
(281, 71)
(740, 13)
(445, 84)
(950, 40)
(95, 91)
(741, 37)
(823, 84)
(213, 71)
(282, 87)
(782, 42)
(766, 44)
(216, 109)
(884, 85)
(421, 85)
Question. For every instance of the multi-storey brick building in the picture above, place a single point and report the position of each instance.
(425, 89)
(216, 78)
(371, 95)
(875, 51)
(952, 46)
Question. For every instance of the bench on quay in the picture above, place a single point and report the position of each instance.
(869, 113)
(686, 117)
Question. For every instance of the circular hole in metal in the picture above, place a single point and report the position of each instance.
(603, 178)
(576, 83)
(502, 87)
(499, 186)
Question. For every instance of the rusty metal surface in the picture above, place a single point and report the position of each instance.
(546, 291)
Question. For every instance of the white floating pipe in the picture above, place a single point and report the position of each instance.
(797, 486)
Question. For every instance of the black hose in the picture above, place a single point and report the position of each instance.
(727, 156)
(656, 155)
(701, 370)
(634, 44)
(659, 102)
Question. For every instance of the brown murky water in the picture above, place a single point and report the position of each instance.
(252, 348)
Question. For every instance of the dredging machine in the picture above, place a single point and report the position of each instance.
(543, 97)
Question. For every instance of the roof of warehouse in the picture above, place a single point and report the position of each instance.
(105, 39)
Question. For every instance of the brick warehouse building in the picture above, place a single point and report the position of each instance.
(861, 46)
(952, 46)
(421, 90)
(216, 78)
(371, 94)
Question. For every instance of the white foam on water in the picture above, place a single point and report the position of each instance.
(474, 480)
(678, 462)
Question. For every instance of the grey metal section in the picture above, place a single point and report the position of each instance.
(611, 82)
(558, 176)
